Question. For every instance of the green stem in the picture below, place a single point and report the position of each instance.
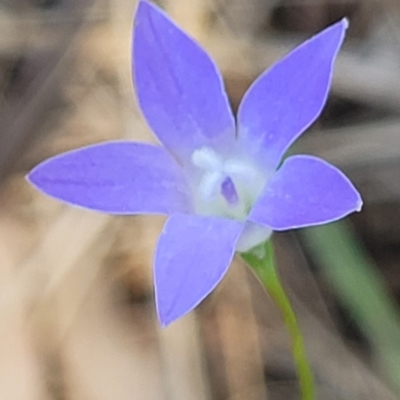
(261, 260)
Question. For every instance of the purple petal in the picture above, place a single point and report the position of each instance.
(120, 177)
(193, 255)
(179, 89)
(284, 101)
(305, 191)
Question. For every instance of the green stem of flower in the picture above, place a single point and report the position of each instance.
(261, 260)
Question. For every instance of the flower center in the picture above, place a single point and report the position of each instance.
(225, 186)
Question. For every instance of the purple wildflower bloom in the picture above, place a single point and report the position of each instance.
(220, 183)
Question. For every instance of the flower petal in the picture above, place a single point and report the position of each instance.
(179, 89)
(193, 255)
(120, 177)
(305, 191)
(284, 101)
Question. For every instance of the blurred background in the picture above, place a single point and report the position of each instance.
(77, 319)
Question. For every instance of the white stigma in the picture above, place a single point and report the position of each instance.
(206, 158)
(211, 163)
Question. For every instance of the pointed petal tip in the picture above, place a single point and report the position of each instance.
(144, 3)
(360, 204)
(166, 320)
(336, 31)
(33, 176)
(146, 6)
(345, 23)
(342, 24)
(28, 177)
(147, 10)
(142, 12)
(358, 201)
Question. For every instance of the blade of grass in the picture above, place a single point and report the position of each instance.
(361, 289)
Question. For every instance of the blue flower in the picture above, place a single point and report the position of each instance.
(221, 183)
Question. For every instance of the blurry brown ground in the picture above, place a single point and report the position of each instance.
(76, 308)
